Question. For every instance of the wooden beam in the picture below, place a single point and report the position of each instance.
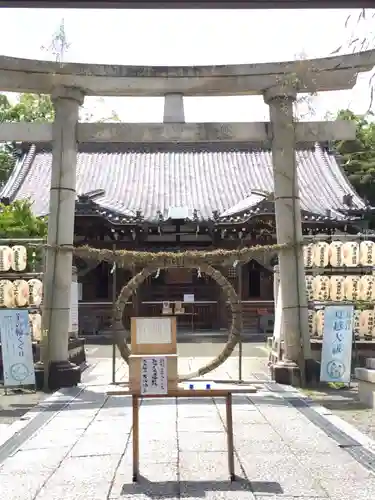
(26, 132)
(209, 132)
(170, 132)
(338, 130)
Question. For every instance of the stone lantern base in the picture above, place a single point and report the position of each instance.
(61, 374)
(286, 373)
(289, 373)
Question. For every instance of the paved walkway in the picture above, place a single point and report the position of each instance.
(83, 451)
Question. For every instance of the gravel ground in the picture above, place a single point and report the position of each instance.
(345, 404)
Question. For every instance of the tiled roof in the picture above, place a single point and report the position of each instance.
(205, 179)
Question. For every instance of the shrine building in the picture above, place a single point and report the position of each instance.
(178, 196)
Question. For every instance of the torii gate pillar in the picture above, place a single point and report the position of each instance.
(57, 277)
(297, 350)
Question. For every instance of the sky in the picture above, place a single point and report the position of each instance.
(191, 37)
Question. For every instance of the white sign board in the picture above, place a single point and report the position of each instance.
(278, 325)
(189, 298)
(73, 317)
(154, 330)
(337, 344)
(154, 375)
(16, 347)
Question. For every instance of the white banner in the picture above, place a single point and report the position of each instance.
(16, 347)
(73, 317)
(278, 324)
(154, 330)
(154, 375)
(336, 358)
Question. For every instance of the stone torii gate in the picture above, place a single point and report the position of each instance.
(277, 82)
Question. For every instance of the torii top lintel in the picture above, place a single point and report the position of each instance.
(312, 75)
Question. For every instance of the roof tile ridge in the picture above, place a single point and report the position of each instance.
(18, 174)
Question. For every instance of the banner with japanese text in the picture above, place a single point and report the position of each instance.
(154, 375)
(16, 347)
(337, 344)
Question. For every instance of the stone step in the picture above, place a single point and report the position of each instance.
(370, 363)
(365, 374)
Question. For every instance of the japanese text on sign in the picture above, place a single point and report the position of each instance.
(16, 346)
(337, 344)
(154, 378)
(341, 326)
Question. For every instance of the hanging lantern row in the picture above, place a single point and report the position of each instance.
(363, 325)
(339, 254)
(340, 288)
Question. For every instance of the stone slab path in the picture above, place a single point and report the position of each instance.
(83, 451)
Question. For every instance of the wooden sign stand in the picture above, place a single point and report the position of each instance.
(184, 393)
(154, 355)
(154, 345)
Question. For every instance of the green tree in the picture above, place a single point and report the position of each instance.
(31, 108)
(18, 221)
(28, 108)
(358, 155)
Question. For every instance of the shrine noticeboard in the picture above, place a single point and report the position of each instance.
(337, 344)
(154, 375)
(16, 347)
(142, 368)
(153, 335)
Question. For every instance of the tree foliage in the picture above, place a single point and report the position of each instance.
(18, 221)
(358, 155)
(28, 108)
(31, 108)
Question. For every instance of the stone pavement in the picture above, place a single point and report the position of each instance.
(83, 451)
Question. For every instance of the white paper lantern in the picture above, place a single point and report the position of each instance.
(321, 288)
(350, 254)
(35, 292)
(366, 288)
(6, 256)
(36, 326)
(320, 323)
(321, 254)
(308, 255)
(19, 258)
(366, 323)
(335, 254)
(309, 288)
(356, 323)
(312, 323)
(6, 294)
(351, 288)
(337, 290)
(367, 253)
(21, 293)
(371, 325)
